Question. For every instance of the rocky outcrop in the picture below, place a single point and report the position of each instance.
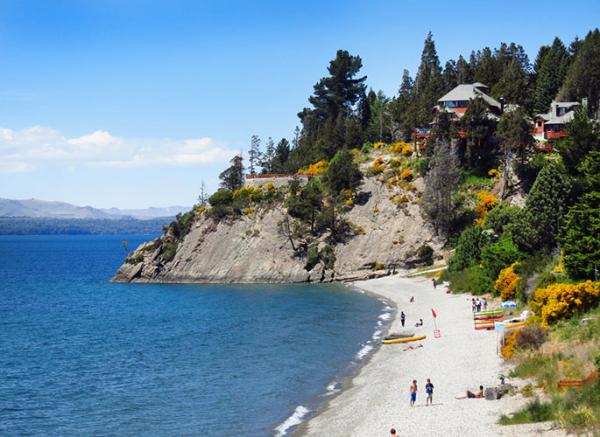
(251, 248)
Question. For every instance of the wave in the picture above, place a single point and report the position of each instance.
(293, 420)
(376, 334)
(385, 316)
(364, 351)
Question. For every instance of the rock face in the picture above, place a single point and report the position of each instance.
(252, 249)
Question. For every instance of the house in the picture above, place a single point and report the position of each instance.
(456, 103)
(275, 179)
(457, 100)
(551, 126)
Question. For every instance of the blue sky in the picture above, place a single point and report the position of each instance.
(133, 103)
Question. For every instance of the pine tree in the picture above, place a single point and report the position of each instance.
(203, 196)
(542, 217)
(450, 76)
(514, 134)
(282, 155)
(268, 156)
(463, 71)
(428, 84)
(441, 181)
(254, 155)
(232, 178)
(342, 173)
(402, 110)
(550, 75)
(583, 77)
(479, 131)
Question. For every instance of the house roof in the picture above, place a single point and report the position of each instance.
(469, 92)
(480, 85)
(552, 118)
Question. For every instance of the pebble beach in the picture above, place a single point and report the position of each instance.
(377, 398)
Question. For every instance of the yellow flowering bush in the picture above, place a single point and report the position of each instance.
(407, 150)
(379, 145)
(508, 281)
(248, 192)
(379, 266)
(248, 210)
(492, 172)
(486, 202)
(395, 162)
(402, 148)
(200, 209)
(509, 345)
(269, 186)
(407, 174)
(316, 169)
(561, 301)
(349, 202)
(378, 167)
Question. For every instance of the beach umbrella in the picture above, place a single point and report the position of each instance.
(509, 304)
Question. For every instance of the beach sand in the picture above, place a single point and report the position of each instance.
(378, 397)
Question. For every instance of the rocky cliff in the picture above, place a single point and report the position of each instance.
(389, 230)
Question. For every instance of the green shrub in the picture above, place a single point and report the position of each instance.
(222, 197)
(425, 252)
(328, 257)
(534, 411)
(499, 255)
(421, 166)
(168, 250)
(501, 216)
(312, 257)
(471, 280)
(468, 249)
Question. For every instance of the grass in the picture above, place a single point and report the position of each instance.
(472, 180)
(534, 411)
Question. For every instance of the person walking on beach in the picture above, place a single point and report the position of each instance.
(473, 304)
(434, 283)
(429, 391)
(413, 393)
(393, 432)
(484, 304)
(412, 299)
(402, 318)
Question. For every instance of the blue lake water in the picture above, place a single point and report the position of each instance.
(80, 355)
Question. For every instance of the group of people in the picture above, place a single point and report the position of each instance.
(477, 304)
(428, 390)
(429, 400)
(403, 320)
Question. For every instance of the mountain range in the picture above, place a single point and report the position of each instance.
(36, 208)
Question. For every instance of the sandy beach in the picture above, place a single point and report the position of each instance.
(462, 358)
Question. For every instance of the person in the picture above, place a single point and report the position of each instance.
(402, 318)
(473, 304)
(413, 392)
(434, 283)
(478, 305)
(484, 304)
(412, 299)
(392, 432)
(419, 323)
(429, 391)
(470, 395)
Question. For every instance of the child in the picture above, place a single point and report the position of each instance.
(413, 392)
(429, 391)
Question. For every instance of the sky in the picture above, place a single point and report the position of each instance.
(135, 103)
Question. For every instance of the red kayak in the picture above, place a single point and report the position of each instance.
(488, 327)
(495, 316)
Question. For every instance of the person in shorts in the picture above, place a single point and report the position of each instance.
(413, 392)
(429, 391)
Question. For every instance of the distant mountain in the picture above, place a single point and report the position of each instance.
(35, 208)
(148, 213)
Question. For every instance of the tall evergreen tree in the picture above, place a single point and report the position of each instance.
(479, 131)
(441, 181)
(450, 75)
(550, 75)
(254, 155)
(583, 77)
(232, 178)
(428, 84)
(342, 173)
(282, 155)
(268, 156)
(402, 110)
(463, 71)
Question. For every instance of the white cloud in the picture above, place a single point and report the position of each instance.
(39, 146)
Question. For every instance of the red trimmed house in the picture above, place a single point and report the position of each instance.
(551, 126)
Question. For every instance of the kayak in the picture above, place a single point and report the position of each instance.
(489, 317)
(485, 313)
(514, 325)
(487, 326)
(404, 340)
(485, 321)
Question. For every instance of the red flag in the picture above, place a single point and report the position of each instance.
(433, 313)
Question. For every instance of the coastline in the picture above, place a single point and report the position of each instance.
(376, 398)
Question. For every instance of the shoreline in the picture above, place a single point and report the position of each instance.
(301, 415)
(375, 398)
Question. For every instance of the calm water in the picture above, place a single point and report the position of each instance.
(80, 355)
